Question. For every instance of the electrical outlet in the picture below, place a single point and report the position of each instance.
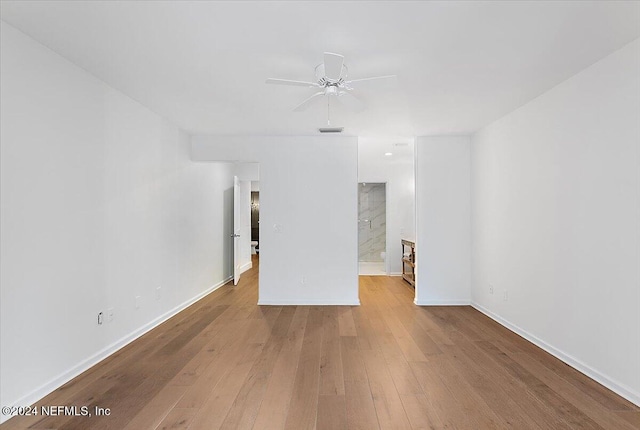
(100, 318)
(505, 295)
(110, 314)
(158, 293)
(137, 302)
(490, 288)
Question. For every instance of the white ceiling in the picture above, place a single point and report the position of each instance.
(460, 65)
(372, 150)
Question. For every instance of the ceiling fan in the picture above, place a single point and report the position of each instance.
(331, 80)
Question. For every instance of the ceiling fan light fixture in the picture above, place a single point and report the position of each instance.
(331, 90)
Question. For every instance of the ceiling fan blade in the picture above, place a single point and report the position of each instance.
(333, 65)
(351, 101)
(305, 104)
(389, 78)
(290, 82)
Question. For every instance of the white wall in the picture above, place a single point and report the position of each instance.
(99, 203)
(247, 171)
(308, 213)
(398, 174)
(443, 220)
(556, 211)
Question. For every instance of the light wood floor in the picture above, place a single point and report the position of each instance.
(227, 363)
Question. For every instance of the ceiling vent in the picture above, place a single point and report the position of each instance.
(331, 129)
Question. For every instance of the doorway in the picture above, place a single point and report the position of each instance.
(388, 161)
(255, 218)
(244, 212)
(372, 228)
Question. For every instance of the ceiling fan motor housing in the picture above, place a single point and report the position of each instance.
(322, 78)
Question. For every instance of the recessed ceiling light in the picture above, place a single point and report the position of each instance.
(388, 154)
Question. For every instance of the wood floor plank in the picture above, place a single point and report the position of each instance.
(403, 378)
(561, 407)
(441, 400)
(421, 337)
(304, 402)
(245, 407)
(360, 410)
(151, 415)
(226, 362)
(331, 375)
(469, 401)
(389, 408)
(499, 390)
(178, 418)
(272, 413)
(420, 413)
(438, 333)
(366, 334)
(332, 413)
(222, 363)
(352, 362)
(345, 321)
(631, 416)
(215, 409)
(595, 410)
(408, 345)
(598, 392)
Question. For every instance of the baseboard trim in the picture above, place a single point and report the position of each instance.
(246, 266)
(305, 303)
(57, 382)
(442, 303)
(618, 388)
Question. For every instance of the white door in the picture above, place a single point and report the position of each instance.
(236, 230)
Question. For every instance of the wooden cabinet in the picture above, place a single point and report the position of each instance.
(409, 262)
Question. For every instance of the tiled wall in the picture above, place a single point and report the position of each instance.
(372, 224)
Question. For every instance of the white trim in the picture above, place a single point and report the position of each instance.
(245, 267)
(58, 381)
(617, 387)
(395, 274)
(306, 303)
(443, 303)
